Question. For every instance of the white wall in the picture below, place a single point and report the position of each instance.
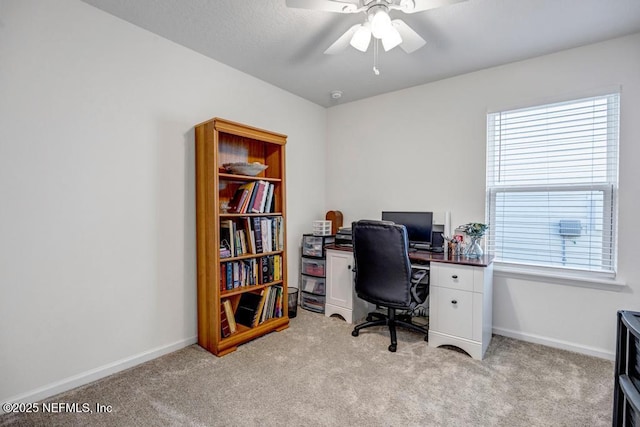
(424, 148)
(97, 218)
(97, 210)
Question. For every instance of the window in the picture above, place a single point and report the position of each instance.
(552, 182)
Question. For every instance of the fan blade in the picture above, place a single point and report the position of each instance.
(324, 5)
(344, 40)
(411, 41)
(413, 6)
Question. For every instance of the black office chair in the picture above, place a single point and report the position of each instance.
(383, 276)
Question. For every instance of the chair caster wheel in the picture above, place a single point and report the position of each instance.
(426, 338)
(392, 348)
(354, 333)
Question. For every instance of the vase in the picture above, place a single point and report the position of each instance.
(474, 250)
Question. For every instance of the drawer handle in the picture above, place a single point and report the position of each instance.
(455, 276)
(349, 267)
(453, 301)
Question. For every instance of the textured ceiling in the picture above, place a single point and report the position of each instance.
(285, 46)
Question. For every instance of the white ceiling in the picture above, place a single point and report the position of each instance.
(285, 46)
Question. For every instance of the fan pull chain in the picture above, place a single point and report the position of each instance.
(376, 71)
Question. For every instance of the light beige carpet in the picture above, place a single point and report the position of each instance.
(316, 374)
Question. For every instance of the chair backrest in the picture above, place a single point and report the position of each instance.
(383, 268)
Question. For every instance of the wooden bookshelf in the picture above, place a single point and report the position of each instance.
(220, 141)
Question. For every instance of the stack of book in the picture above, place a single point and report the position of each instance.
(255, 308)
(251, 235)
(253, 197)
(250, 272)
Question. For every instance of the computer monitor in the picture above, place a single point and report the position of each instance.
(419, 226)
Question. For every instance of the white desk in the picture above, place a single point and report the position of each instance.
(460, 301)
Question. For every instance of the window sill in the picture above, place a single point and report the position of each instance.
(564, 278)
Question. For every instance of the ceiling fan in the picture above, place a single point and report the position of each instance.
(378, 23)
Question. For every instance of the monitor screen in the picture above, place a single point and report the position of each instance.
(419, 226)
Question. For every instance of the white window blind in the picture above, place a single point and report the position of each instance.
(552, 182)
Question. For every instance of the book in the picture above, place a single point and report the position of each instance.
(229, 281)
(249, 187)
(264, 267)
(235, 200)
(258, 316)
(265, 230)
(238, 246)
(279, 221)
(223, 277)
(271, 302)
(270, 224)
(256, 272)
(277, 268)
(247, 307)
(257, 234)
(243, 242)
(268, 207)
(251, 238)
(265, 311)
(278, 311)
(227, 235)
(271, 262)
(263, 200)
(228, 310)
(236, 275)
(258, 201)
(240, 198)
(224, 322)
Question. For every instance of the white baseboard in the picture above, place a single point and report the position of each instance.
(98, 373)
(550, 342)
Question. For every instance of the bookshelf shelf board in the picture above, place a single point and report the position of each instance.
(249, 256)
(243, 289)
(242, 215)
(244, 178)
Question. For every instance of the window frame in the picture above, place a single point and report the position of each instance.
(609, 189)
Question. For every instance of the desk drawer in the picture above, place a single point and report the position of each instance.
(451, 312)
(452, 276)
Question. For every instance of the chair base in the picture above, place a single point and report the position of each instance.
(390, 319)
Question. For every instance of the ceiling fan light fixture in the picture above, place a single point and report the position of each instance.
(380, 22)
(362, 37)
(391, 39)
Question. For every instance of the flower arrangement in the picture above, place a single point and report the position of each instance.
(474, 229)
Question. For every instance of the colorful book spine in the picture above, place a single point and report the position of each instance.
(230, 316)
(257, 201)
(264, 264)
(257, 231)
(268, 208)
(277, 268)
(229, 266)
